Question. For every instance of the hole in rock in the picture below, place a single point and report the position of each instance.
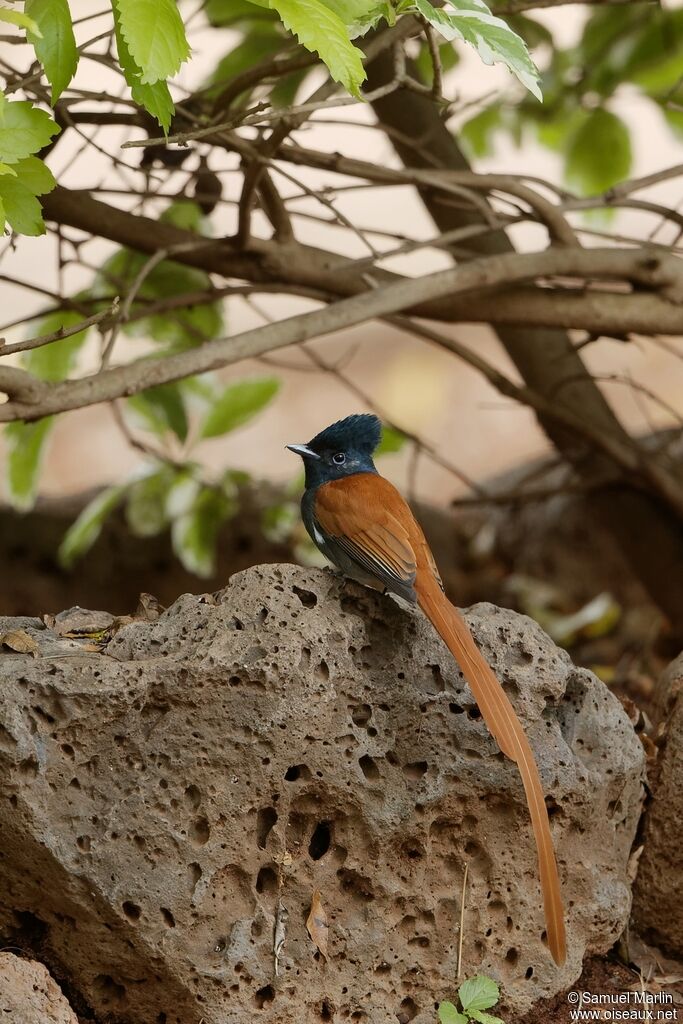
(199, 832)
(193, 797)
(131, 910)
(512, 956)
(264, 996)
(369, 768)
(361, 715)
(408, 1011)
(474, 713)
(415, 770)
(529, 973)
(326, 1010)
(109, 990)
(266, 880)
(169, 919)
(320, 840)
(455, 709)
(307, 598)
(195, 873)
(265, 820)
(297, 771)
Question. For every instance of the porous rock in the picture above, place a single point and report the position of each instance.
(658, 895)
(165, 800)
(28, 995)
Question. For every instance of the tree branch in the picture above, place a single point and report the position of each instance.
(300, 265)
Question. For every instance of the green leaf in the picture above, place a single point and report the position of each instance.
(180, 329)
(55, 44)
(323, 32)
(477, 133)
(360, 16)
(194, 534)
(27, 179)
(229, 12)
(392, 441)
(161, 409)
(262, 41)
(449, 1015)
(22, 210)
(56, 360)
(83, 533)
(238, 404)
(36, 175)
(532, 32)
(24, 130)
(448, 56)
(484, 1018)
(146, 512)
(26, 445)
(155, 37)
(17, 18)
(472, 22)
(599, 154)
(478, 993)
(156, 99)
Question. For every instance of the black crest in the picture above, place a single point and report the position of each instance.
(361, 432)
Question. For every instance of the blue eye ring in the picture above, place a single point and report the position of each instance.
(339, 458)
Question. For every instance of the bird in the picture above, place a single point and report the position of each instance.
(363, 525)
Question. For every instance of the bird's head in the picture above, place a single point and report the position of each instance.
(342, 449)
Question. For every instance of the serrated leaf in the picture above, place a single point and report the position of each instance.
(238, 404)
(599, 154)
(359, 15)
(478, 993)
(449, 1015)
(155, 99)
(195, 534)
(27, 179)
(161, 409)
(22, 210)
(146, 512)
(55, 45)
(26, 445)
(56, 360)
(472, 22)
(484, 1018)
(155, 37)
(24, 130)
(35, 174)
(321, 31)
(83, 533)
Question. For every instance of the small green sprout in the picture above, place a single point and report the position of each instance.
(476, 996)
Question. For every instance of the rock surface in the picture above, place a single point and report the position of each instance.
(28, 995)
(297, 733)
(658, 893)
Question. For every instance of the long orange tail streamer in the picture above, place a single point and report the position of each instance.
(506, 728)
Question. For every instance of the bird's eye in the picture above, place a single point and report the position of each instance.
(339, 458)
